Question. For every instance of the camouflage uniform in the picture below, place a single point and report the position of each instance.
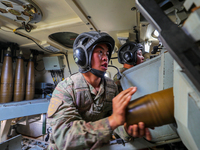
(117, 81)
(78, 114)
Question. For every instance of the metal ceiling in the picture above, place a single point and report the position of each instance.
(116, 17)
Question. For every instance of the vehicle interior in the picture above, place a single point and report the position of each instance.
(43, 32)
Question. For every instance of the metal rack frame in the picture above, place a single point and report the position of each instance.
(23, 108)
(12, 110)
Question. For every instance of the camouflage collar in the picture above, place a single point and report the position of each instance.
(79, 78)
(82, 83)
(101, 89)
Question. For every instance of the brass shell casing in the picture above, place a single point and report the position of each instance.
(19, 83)
(154, 109)
(30, 81)
(6, 90)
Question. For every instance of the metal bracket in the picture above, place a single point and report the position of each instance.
(12, 144)
(178, 43)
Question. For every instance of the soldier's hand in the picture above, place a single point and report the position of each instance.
(138, 130)
(120, 103)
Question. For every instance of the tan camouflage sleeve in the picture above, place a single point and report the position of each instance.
(69, 131)
(122, 133)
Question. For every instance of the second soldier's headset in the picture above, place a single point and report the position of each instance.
(127, 53)
(83, 48)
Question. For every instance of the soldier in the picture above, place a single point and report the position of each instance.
(129, 54)
(85, 109)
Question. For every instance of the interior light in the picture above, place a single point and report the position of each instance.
(64, 38)
(155, 34)
(147, 47)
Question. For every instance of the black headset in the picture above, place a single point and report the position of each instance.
(84, 45)
(80, 56)
(127, 53)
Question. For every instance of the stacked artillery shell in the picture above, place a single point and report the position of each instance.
(19, 83)
(6, 78)
(30, 80)
(154, 110)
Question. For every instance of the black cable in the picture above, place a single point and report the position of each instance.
(47, 93)
(114, 58)
(136, 34)
(27, 27)
(48, 90)
(56, 76)
(66, 55)
(53, 73)
(34, 42)
(119, 75)
(68, 64)
(52, 76)
(62, 74)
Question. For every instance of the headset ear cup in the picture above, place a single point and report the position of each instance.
(128, 57)
(79, 56)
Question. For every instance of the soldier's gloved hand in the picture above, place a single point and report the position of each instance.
(120, 102)
(138, 130)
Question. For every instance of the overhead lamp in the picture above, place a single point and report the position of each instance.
(64, 38)
(147, 46)
(155, 34)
